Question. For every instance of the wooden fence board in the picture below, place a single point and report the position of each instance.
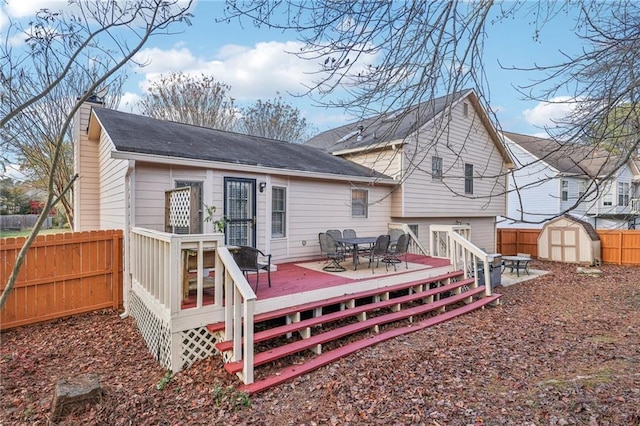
(621, 247)
(63, 274)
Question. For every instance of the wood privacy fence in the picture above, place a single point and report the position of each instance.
(63, 274)
(619, 247)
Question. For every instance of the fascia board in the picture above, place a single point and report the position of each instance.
(218, 165)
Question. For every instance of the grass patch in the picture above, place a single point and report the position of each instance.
(26, 232)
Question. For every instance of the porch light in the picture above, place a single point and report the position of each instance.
(262, 186)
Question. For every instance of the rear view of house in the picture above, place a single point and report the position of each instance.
(187, 196)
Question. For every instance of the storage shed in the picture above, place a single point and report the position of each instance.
(570, 240)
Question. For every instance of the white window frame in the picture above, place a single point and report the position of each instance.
(277, 212)
(623, 194)
(359, 205)
(468, 178)
(564, 192)
(436, 168)
(607, 196)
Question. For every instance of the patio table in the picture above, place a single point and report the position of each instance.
(517, 263)
(355, 242)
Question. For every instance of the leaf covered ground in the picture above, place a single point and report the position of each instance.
(562, 349)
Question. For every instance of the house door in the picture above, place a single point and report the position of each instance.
(240, 211)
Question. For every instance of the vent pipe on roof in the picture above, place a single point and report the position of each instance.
(360, 129)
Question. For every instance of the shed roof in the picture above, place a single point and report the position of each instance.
(588, 228)
(134, 133)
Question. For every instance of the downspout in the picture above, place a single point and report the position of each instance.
(127, 232)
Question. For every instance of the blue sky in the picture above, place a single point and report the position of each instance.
(255, 62)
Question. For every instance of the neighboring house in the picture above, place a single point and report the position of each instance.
(550, 179)
(449, 164)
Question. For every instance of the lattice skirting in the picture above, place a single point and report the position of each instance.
(155, 332)
(195, 344)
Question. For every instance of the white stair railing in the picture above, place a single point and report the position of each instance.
(451, 241)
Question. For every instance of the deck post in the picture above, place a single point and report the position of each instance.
(175, 275)
(247, 367)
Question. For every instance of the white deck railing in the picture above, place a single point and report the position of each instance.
(414, 245)
(157, 269)
(451, 241)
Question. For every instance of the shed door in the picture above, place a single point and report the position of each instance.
(240, 211)
(563, 244)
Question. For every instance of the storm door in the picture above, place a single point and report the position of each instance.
(240, 211)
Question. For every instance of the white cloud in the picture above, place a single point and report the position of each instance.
(129, 102)
(252, 72)
(545, 113)
(23, 9)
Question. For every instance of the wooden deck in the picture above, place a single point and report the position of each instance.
(293, 279)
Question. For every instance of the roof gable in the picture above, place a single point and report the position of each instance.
(568, 157)
(136, 134)
(390, 128)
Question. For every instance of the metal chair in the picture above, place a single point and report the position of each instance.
(250, 259)
(394, 234)
(329, 249)
(378, 251)
(394, 256)
(349, 233)
(336, 234)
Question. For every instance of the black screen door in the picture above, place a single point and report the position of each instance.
(240, 211)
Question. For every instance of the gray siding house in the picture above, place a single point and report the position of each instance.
(550, 179)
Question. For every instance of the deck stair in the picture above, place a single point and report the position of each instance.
(406, 307)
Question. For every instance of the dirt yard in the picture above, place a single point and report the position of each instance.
(562, 349)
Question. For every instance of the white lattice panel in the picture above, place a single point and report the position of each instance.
(155, 332)
(197, 343)
(179, 208)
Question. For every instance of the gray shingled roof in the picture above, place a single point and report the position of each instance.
(568, 157)
(139, 134)
(382, 128)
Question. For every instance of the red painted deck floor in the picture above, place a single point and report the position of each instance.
(290, 278)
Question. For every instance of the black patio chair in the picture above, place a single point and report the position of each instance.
(331, 252)
(395, 235)
(395, 254)
(378, 251)
(250, 259)
(336, 234)
(349, 233)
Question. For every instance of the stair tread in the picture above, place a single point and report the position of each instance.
(331, 356)
(294, 347)
(265, 316)
(334, 316)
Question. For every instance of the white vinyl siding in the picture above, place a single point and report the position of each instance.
(86, 195)
(465, 140)
(112, 187)
(532, 194)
